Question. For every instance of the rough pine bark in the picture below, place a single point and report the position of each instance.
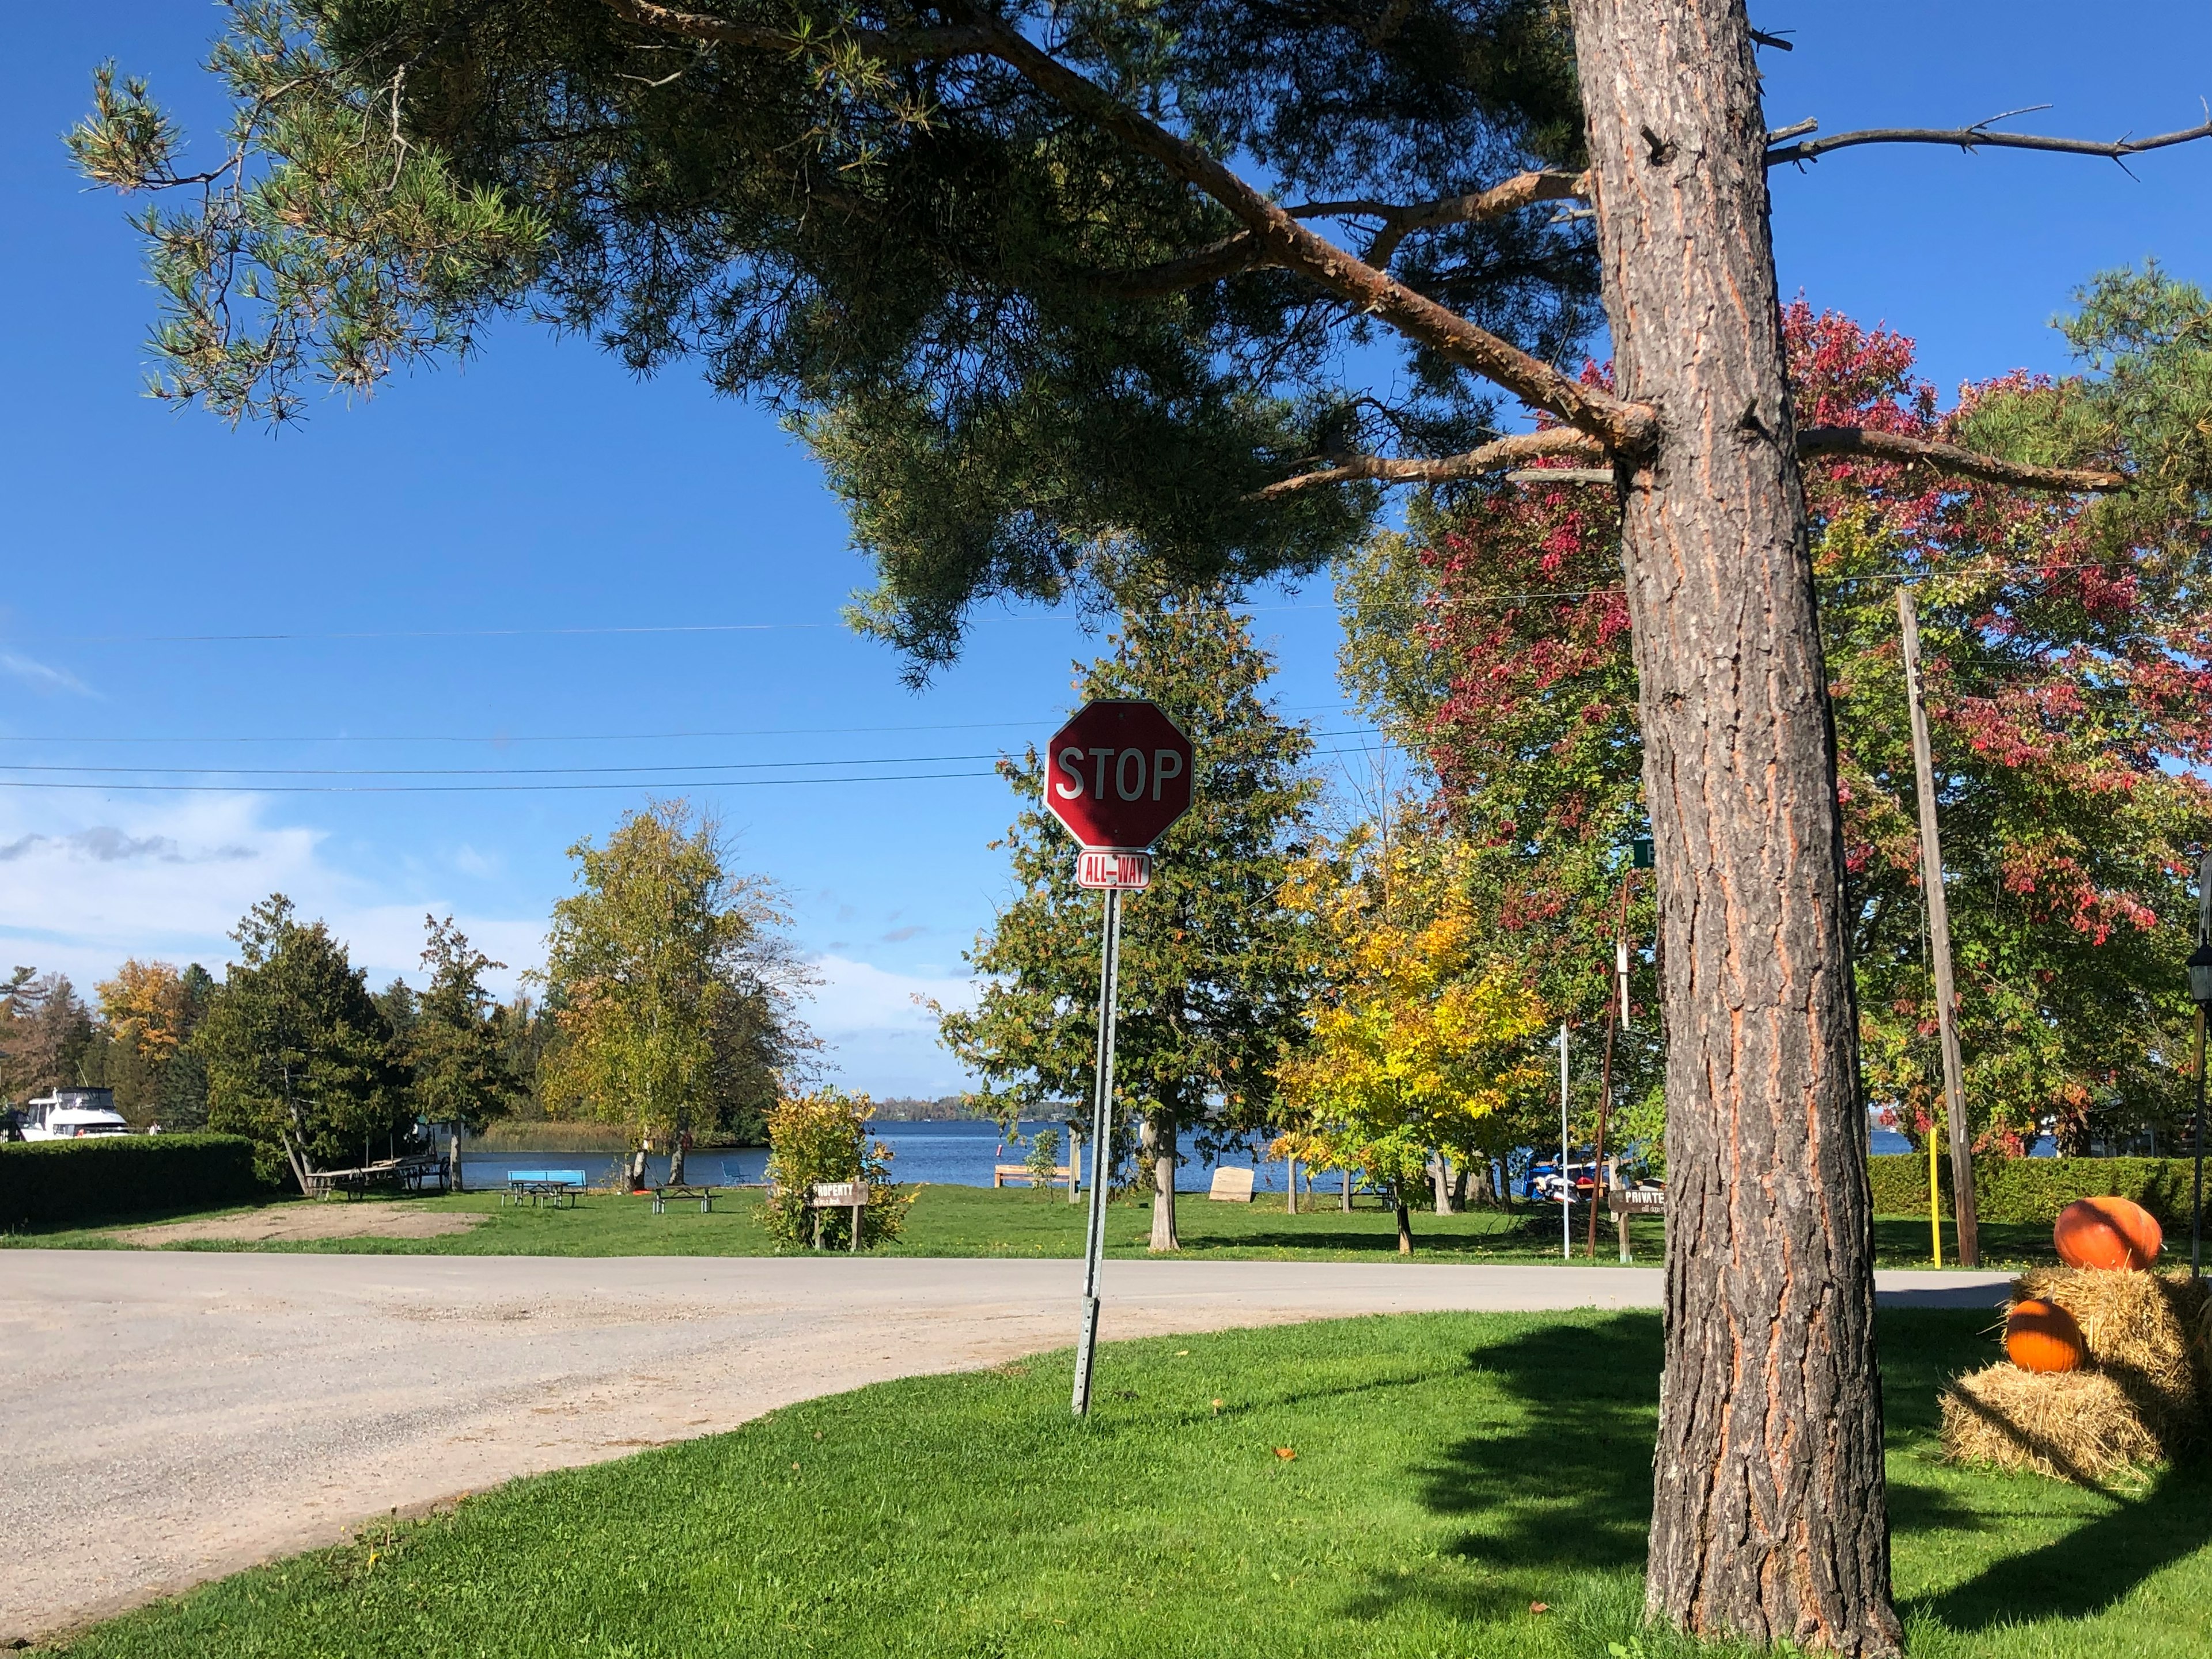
(1770, 1515)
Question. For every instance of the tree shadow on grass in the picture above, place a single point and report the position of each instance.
(2090, 1568)
(1561, 1488)
(2079, 1574)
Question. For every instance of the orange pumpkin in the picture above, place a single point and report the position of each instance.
(2041, 1336)
(2108, 1233)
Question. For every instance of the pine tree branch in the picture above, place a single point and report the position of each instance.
(1401, 219)
(1230, 257)
(1490, 457)
(1280, 240)
(1234, 255)
(1979, 135)
(1864, 443)
(1629, 428)
(1826, 442)
(889, 45)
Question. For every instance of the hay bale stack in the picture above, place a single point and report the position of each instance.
(2075, 1426)
(2142, 1399)
(2146, 1331)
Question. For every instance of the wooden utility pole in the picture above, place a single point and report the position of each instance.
(1939, 939)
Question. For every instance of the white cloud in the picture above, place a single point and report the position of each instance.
(85, 883)
(46, 678)
(879, 1038)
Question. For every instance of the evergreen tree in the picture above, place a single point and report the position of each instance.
(1213, 983)
(45, 1032)
(298, 1054)
(455, 1044)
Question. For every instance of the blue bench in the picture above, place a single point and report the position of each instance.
(557, 1185)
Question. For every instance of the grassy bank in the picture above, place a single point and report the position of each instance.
(976, 1221)
(1391, 1488)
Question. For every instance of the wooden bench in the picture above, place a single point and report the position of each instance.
(556, 1186)
(662, 1194)
(1231, 1187)
(1002, 1173)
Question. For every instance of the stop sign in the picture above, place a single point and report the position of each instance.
(1118, 774)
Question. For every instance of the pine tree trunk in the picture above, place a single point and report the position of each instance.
(1160, 1148)
(1770, 1515)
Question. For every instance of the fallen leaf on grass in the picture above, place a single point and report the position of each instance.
(1540, 1606)
(1285, 1453)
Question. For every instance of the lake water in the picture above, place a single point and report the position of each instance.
(955, 1154)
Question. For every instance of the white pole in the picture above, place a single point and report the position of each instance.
(1566, 1209)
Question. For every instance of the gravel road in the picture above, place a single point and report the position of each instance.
(173, 1416)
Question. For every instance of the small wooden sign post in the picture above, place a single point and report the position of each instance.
(1625, 1201)
(839, 1195)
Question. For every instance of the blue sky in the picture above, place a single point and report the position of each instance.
(460, 522)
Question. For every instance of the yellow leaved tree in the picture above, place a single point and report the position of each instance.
(1421, 1042)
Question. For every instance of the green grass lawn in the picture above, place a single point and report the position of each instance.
(977, 1221)
(1448, 1472)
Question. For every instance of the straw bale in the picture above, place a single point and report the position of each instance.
(2146, 1332)
(2076, 1425)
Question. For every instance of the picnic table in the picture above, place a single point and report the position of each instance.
(1002, 1173)
(410, 1175)
(553, 1185)
(662, 1194)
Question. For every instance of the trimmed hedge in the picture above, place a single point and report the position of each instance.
(101, 1176)
(2035, 1190)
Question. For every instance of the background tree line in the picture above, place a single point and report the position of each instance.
(666, 1009)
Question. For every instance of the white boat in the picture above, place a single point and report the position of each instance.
(71, 1113)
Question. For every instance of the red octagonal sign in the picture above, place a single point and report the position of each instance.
(1118, 774)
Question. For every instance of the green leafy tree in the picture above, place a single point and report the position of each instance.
(2062, 656)
(673, 982)
(1212, 981)
(455, 1046)
(298, 1054)
(148, 1013)
(1424, 1036)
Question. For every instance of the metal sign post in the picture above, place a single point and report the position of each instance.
(1566, 1185)
(1102, 1145)
(2196, 1128)
(1118, 774)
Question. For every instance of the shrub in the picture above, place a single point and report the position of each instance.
(1043, 1159)
(2035, 1190)
(821, 1138)
(104, 1177)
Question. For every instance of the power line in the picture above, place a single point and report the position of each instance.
(506, 738)
(280, 637)
(459, 789)
(525, 771)
(499, 788)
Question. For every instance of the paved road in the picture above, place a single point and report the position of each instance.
(173, 1416)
